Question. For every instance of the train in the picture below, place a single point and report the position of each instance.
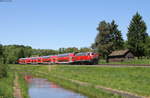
(88, 58)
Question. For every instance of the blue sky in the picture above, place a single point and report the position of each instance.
(52, 24)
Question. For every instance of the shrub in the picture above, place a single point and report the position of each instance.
(3, 70)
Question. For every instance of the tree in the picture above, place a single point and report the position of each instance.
(71, 50)
(21, 53)
(13, 52)
(3, 68)
(41, 52)
(147, 47)
(137, 35)
(86, 49)
(116, 35)
(1, 53)
(103, 43)
(61, 50)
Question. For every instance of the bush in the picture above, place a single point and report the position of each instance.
(6, 86)
(3, 70)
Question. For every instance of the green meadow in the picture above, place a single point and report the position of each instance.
(131, 79)
(132, 61)
(6, 86)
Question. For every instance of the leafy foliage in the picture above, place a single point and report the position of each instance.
(108, 39)
(13, 52)
(68, 50)
(103, 42)
(6, 86)
(85, 49)
(42, 52)
(3, 70)
(74, 49)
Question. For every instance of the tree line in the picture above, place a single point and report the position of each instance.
(109, 38)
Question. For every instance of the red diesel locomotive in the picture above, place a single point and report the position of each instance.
(67, 58)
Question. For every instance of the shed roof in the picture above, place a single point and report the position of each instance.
(119, 52)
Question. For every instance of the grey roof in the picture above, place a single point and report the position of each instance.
(119, 52)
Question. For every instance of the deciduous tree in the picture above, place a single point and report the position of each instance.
(103, 43)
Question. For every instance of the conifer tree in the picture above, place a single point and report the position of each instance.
(147, 47)
(116, 36)
(137, 35)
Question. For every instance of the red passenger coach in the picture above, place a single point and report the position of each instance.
(65, 58)
(22, 61)
(39, 60)
(34, 60)
(46, 59)
(28, 60)
(53, 59)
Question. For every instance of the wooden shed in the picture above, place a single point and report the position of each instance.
(120, 55)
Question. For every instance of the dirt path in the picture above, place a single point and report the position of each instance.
(50, 67)
(17, 90)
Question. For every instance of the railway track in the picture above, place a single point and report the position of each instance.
(99, 65)
(117, 65)
(122, 65)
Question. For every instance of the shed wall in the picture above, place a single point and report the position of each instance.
(125, 57)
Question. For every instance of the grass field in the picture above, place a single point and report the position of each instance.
(23, 86)
(86, 90)
(135, 80)
(134, 61)
(6, 86)
(132, 79)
